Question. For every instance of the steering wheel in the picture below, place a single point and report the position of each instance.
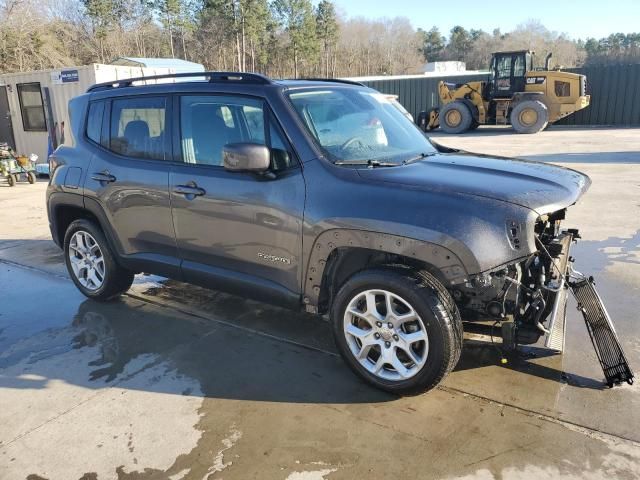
(351, 142)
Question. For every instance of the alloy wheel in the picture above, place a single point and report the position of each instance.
(386, 335)
(87, 261)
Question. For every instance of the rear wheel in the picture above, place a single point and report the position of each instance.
(91, 263)
(31, 177)
(455, 117)
(529, 116)
(397, 329)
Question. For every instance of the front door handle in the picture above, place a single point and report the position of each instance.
(189, 190)
(103, 177)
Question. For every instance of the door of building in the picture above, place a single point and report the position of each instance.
(6, 129)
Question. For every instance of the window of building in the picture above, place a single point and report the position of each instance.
(138, 127)
(31, 107)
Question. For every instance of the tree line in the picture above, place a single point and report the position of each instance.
(281, 38)
(475, 46)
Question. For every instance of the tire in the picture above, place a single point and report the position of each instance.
(529, 116)
(11, 181)
(437, 318)
(115, 280)
(474, 126)
(429, 112)
(455, 117)
(31, 177)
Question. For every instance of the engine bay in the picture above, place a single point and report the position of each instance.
(523, 298)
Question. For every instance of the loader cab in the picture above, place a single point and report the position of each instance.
(508, 70)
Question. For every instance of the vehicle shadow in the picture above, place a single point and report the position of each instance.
(526, 359)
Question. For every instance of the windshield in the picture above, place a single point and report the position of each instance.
(359, 126)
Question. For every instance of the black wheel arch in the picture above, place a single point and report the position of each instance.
(337, 254)
(64, 208)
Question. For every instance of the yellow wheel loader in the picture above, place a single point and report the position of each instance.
(515, 93)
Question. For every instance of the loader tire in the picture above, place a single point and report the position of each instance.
(529, 116)
(455, 117)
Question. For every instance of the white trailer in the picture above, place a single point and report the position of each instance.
(33, 105)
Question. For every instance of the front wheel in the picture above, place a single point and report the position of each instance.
(455, 117)
(91, 263)
(397, 329)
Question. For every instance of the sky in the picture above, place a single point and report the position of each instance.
(576, 18)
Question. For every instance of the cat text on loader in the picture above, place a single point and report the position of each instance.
(514, 93)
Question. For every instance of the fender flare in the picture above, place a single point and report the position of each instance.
(59, 200)
(439, 257)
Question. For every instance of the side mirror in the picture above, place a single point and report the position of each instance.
(246, 157)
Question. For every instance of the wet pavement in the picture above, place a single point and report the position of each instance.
(177, 382)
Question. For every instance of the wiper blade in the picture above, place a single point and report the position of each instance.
(417, 158)
(368, 163)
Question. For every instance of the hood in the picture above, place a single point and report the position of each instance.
(541, 187)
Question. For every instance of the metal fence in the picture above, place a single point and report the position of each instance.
(614, 90)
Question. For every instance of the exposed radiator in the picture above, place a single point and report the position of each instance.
(603, 336)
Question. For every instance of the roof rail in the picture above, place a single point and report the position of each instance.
(334, 80)
(211, 77)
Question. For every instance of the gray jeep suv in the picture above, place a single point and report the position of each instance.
(316, 195)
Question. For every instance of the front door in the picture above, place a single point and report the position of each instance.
(6, 128)
(236, 228)
(129, 178)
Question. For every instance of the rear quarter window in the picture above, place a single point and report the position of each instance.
(94, 121)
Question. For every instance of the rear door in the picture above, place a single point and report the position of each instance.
(129, 176)
(237, 227)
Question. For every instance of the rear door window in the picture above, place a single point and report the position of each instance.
(138, 127)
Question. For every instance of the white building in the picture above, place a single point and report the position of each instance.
(447, 67)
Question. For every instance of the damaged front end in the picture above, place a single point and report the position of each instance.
(525, 302)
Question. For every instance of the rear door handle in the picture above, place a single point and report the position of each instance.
(189, 190)
(103, 177)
